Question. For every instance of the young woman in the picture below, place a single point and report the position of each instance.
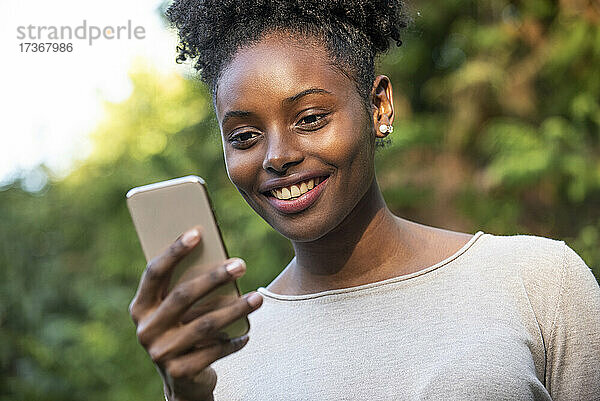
(372, 306)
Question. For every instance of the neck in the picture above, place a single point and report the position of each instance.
(354, 253)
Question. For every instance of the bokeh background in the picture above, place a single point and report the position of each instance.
(497, 129)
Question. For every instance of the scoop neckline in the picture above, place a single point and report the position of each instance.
(284, 297)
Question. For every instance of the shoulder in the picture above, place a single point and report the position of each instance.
(553, 276)
(563, 295)
(537, 260)
(545, 266)
(527, 246)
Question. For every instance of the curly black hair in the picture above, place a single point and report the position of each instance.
(354, 32)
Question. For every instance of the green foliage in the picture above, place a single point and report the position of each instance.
(498, 120)
(497, 128)
(72, 260)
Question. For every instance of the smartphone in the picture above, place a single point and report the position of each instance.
(162, 211)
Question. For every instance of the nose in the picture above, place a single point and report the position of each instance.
(282, 153)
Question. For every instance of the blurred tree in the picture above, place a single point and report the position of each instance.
(71, 256)
(497, 128)
(498, 120)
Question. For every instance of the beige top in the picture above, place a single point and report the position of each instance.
(504, 318)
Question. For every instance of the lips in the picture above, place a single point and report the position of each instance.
(297, 197)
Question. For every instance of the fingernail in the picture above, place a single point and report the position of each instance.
(253, 299)
(190, 238)
(241, 341)
(236, 267)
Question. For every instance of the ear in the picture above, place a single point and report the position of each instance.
(382, 104)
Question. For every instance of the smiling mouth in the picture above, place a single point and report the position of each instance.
(295, 191)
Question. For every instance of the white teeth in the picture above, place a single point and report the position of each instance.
(303, 188)
(295, 190)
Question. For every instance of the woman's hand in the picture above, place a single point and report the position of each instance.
(183, 340)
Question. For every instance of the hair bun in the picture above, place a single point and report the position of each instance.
(379, 21)
(355, 31)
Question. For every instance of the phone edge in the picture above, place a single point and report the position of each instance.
(162, 184)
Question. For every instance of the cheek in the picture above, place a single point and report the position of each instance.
(354, 145)
(358, 163)
(241, 169)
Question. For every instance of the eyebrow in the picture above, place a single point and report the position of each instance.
(235, 113)
(305, 92)
(291, 99)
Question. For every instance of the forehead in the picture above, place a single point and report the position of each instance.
(274, 69)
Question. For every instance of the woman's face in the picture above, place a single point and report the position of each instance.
(290, 122)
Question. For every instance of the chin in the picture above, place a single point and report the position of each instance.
(302, 228)
(298, 227)
(301, 235)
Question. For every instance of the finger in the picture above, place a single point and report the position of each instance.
(185, 294)
(207, 326)
(204, 307)
(192, 364)
(159, 269)
(210, 340)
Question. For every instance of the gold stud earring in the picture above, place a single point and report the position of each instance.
(386, 129)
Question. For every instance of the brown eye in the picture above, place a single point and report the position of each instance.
(312, 121)
(243, 140)
(244, 136)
